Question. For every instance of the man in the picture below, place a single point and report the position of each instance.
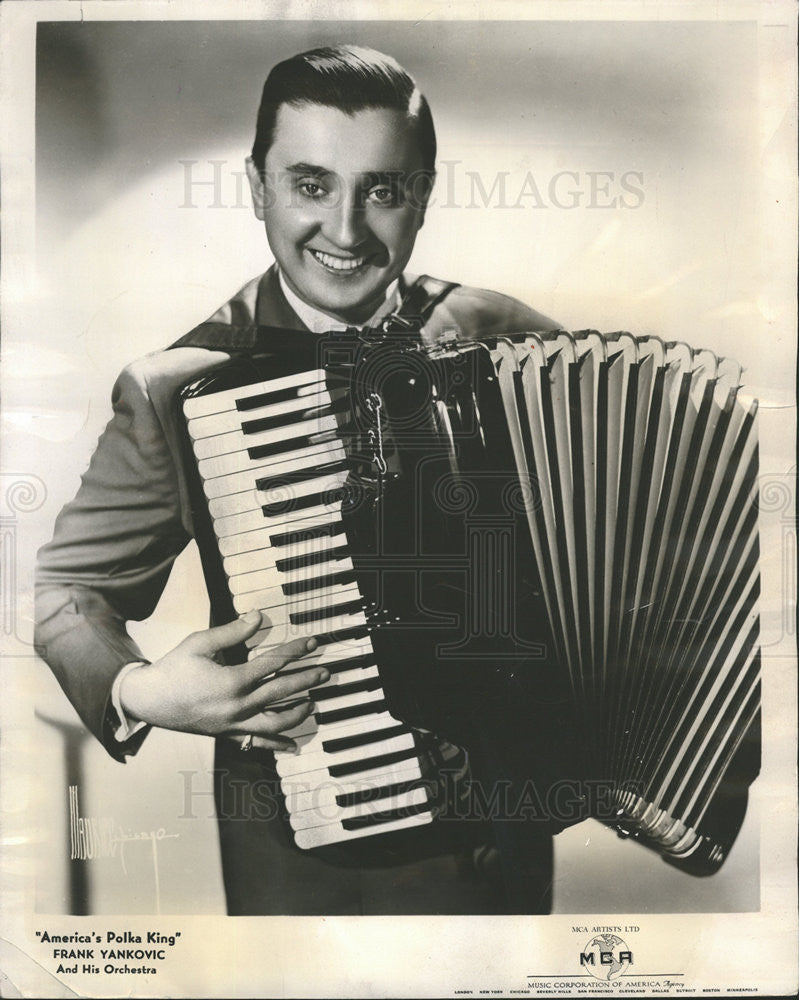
(341, 172)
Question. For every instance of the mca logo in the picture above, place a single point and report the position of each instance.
(606, 957)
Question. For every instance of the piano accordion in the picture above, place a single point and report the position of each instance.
(542, 543)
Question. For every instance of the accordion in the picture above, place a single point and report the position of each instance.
(542, 547)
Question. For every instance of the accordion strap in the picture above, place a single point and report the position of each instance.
(418, 303)
(220, 337)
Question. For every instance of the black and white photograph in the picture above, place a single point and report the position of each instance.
(399, 527)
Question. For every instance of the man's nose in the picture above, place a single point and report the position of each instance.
(345, 223)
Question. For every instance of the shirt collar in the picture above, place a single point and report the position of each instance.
(319, 322)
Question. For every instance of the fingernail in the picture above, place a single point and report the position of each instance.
(311, 644)
(324, 675)
(251, 616)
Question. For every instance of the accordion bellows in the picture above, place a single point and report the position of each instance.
(640, 464)
(628, 468)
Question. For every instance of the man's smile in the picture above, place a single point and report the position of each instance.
(333, 262)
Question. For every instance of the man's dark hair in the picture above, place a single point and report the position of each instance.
(351, 79)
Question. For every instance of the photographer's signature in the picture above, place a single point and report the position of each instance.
(94, 837)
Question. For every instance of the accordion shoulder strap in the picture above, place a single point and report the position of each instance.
(421, 299)
(216, 336)
(418, 303)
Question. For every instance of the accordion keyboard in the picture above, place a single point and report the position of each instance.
(273, 468)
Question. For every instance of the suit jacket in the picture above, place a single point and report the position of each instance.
(115, 543)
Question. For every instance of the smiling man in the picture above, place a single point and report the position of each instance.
(343, 230)
(341, 172)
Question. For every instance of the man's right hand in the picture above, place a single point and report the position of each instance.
(187, 690)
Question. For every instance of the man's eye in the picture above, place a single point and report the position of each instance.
(384, 195)
(311, 189)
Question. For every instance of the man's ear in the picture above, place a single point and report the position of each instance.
(256, 188)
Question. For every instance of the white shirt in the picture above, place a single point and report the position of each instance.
(320, 322)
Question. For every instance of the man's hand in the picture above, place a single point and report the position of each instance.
(189, 691)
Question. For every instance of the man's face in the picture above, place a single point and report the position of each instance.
(342, 201)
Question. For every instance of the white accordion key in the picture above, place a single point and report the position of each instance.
(255, 590)
(249, 562)
(361, 757)
(352, 707)
(310, 630)
(316, 525)
(234, 420)
(321, 586)
(320, 817)
(276, 610)
(281, 493)
(318, 790)
(320, 836)
(303, 458)
(311, 741)
(282, 500)
(251, 520)
(223, 444)
(227, 399)
(237, 462)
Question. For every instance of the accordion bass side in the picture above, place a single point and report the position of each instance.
(644, 522)
(543, 548)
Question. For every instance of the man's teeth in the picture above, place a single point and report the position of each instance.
(338, 263)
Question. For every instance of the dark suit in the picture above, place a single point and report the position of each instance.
(108, 563)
